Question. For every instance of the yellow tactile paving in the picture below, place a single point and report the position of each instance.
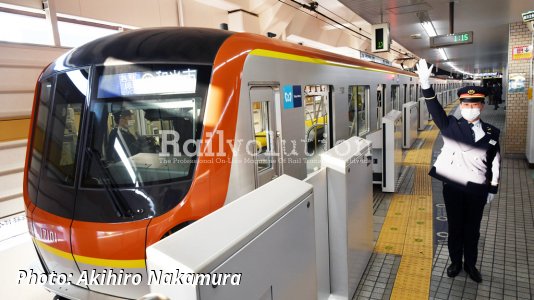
(418, 251)
(414, 282)
(407, 229)
(401, 294)
(388, 247)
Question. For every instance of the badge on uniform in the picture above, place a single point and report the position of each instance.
(493, 142)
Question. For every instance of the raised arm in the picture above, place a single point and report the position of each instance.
(434, 108)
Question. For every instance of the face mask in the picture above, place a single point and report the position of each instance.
(131, 122)
(470, 113)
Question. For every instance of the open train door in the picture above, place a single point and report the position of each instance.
(266, 133)
(319, 137)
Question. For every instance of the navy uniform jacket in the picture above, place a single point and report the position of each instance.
(472, 167)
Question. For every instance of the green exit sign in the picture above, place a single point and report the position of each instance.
(451, 39)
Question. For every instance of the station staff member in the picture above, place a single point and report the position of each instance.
(468, 166)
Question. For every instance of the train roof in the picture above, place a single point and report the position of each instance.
(165, 44)
(178, 45)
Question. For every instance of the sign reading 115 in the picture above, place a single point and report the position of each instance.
(462, 37)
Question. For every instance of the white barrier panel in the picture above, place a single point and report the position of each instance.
(350, 214)
(410, 118)
(423, 114)
(320, 199)
(387, 151)
(266, 237)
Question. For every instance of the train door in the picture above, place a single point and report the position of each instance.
(395, 97)
(358, 110)
(380, 104)
(318, 129)
(265, 133)
(405, 94)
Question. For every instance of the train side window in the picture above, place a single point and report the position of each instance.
(262, 134)
(395, 97)
(412, 93)
(64, 125)
(358, 110)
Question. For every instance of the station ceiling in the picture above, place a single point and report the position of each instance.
(488, 19)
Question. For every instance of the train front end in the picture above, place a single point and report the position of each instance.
(113, 145)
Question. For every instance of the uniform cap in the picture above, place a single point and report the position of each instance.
(471, 94)
(122, 113)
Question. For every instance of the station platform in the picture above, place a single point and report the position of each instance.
(411, 256)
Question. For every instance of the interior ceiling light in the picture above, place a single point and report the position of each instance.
(426, 22)
(429, 28)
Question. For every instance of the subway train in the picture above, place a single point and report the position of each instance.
(136, 135)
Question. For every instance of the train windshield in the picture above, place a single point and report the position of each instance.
(144, 125)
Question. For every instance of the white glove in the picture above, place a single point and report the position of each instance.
(424, 73)
(490, 198)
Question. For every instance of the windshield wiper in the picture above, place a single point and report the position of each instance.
(119, 203)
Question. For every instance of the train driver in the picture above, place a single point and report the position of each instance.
(121, 140)
(468, 166)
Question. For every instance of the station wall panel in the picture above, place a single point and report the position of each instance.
(18, 79)
(20, 66)
(12, 156)
(16, 105)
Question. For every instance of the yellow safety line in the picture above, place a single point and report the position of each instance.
(407, 228)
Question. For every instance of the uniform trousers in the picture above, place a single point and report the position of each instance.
(464, 214)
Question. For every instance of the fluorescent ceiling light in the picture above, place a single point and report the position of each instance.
(443, 54)
(429, 28)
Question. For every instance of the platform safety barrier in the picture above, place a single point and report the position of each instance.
(288, 239)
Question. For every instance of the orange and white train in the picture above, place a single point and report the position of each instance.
(136, 135)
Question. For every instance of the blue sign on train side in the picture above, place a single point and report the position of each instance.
(292, 96)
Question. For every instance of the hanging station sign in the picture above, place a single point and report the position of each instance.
(453, 39)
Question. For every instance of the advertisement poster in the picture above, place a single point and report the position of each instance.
(516, 83)
(522, 52)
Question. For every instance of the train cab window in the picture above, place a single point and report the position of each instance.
(395, 97)
(411, 93)
(358, 110)
(38, 136)
(262, 134)
(144, 126)
(62, 145)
